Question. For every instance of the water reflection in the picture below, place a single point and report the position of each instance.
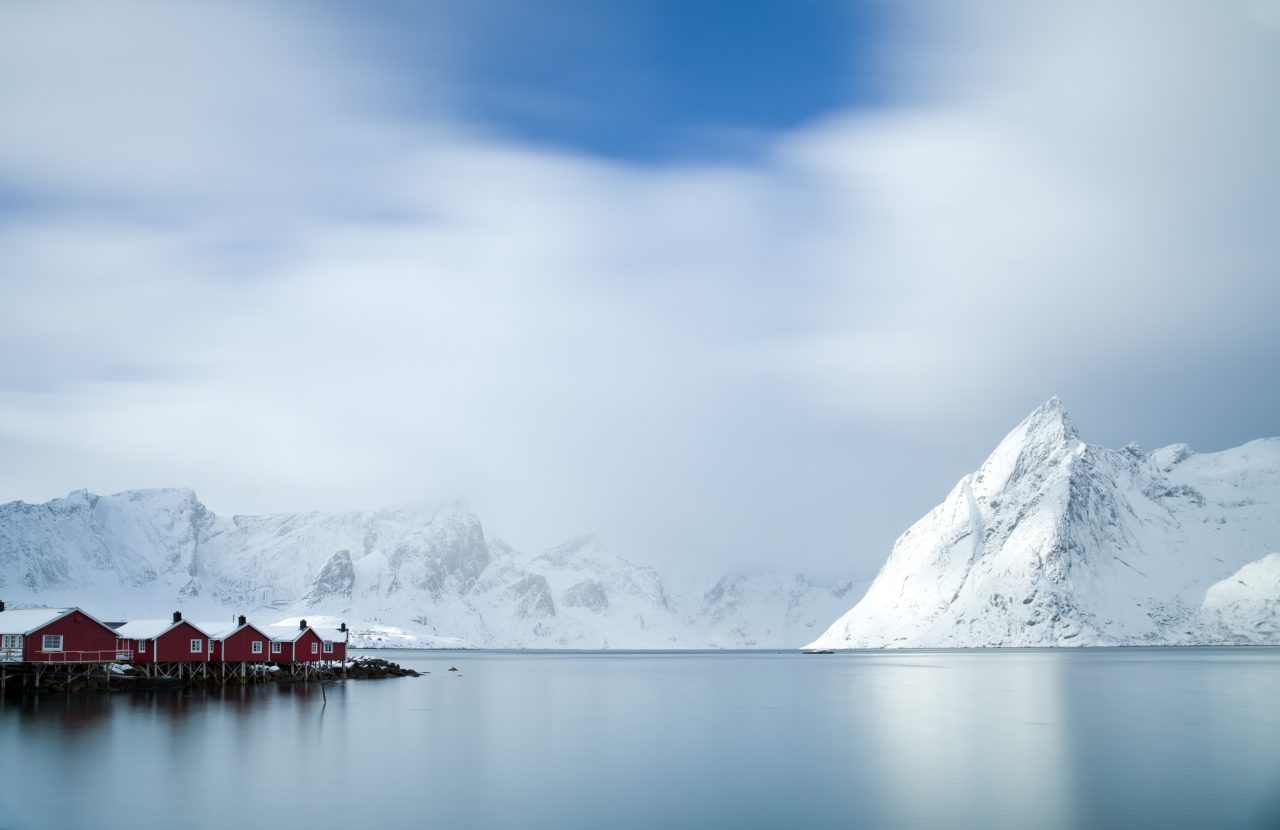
(1169, 737)
(954, 742)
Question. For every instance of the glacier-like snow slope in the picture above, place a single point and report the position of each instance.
(1245, 607)
(1054, 542)
(398, 577)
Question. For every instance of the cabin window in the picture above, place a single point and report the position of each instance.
(52, 642)
(197, 646)
(11, 641)
(315, 648)
(142, 646)
(328, 647)
(257, 647)
(275, 648)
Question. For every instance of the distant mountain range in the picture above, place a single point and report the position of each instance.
(426, 576)
(1054, 542)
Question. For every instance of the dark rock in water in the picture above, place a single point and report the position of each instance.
(374, 667)
(453, 668)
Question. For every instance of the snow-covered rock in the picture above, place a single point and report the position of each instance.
(1056, 542)
(417, 576)
(1245, 607)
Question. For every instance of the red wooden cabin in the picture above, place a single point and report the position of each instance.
(301, 645)
(165, 641)
(333, 642)
(239, 642)
(56, 635)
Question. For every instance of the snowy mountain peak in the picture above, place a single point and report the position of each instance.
(1057, 542)
(1046, 439)
(1166, 458)
(1050, 416)
(1048, 425)
(579, 550)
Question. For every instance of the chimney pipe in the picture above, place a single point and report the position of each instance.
(240, 620)
(1, 605)
(177, 616)
(342, 627)
(302, 625)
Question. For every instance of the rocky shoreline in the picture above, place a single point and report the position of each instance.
(22, 679)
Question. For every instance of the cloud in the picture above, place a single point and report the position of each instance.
(1091, 211)
(242, 262)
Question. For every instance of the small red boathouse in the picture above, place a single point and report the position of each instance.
(239, 642)
(165, 641)
(56, 635)
(300, 645)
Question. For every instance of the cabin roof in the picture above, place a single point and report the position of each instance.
(223, 630)
(286, 634)
(331, 635)
(218, 630)
(147, 629)
(30, 619)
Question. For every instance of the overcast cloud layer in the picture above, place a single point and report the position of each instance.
(233, 257)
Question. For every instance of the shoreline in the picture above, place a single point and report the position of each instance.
(35, 679)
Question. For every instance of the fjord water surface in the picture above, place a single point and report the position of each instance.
(1167, 738)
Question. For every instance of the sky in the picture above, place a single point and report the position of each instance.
(731, 284)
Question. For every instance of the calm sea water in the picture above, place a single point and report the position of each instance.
(1129, 738)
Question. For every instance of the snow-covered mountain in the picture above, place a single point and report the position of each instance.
(1057, 542)
(409, 576)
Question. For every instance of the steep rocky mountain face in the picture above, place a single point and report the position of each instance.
(1056, 542)
(400, 576)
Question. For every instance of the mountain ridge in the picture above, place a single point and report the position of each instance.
(403, 575)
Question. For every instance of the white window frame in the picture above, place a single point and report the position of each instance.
(142, 646)
(257, 647)
(11, 641)
(51, 642)
(276, 648)
(197, 646)
(328, 647)
(315, 648)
